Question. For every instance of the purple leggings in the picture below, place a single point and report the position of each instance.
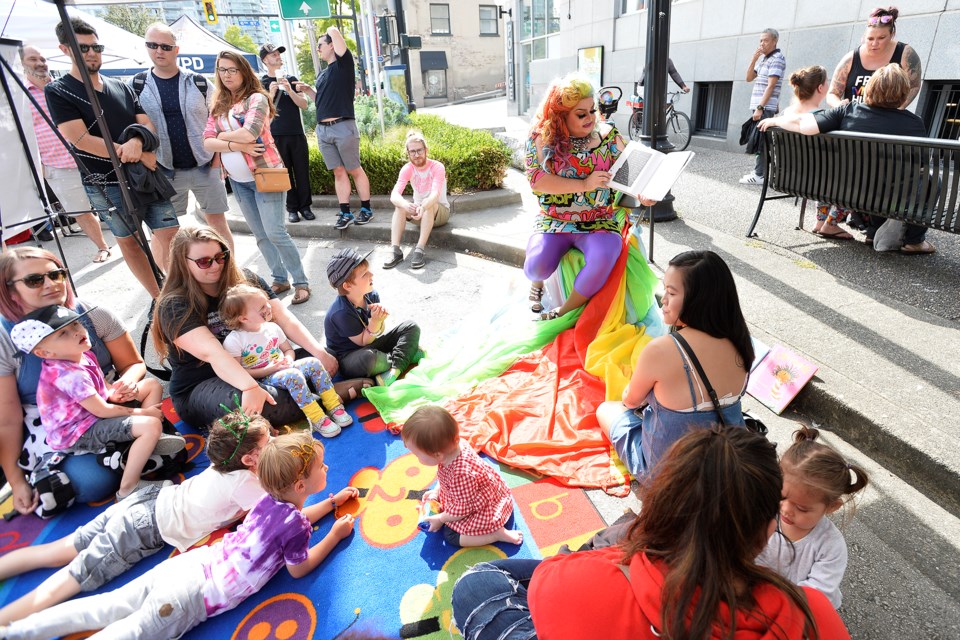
(600, 249)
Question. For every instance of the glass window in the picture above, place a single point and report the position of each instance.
(526, 19)
(440, 19)
(629, 6)
(435, 83)
(942, 112)
(489, 19)
(712, 108)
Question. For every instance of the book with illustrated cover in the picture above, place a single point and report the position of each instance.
(779, 377)
(642, 171)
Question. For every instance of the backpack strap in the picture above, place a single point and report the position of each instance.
(139, 82)
(162, 373)
(201, 83)
(703, 376)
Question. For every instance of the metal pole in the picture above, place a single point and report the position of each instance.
(312, 36)
(655, 97)
(290, 58)
(367, 13)
(363, 52)
(405, 57)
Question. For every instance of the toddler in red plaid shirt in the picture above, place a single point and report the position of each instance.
(475, 502)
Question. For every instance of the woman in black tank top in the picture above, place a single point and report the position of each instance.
(879, 48)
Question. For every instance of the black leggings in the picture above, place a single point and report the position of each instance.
(201, 406)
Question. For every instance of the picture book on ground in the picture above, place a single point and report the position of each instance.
(779, 377)
(641, 170)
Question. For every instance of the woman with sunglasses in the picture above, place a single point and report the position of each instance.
(206, 381)
(569, 154)
(879, 48)
(32, 278)
(239, 129)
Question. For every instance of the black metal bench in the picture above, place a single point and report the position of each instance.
(915, 180)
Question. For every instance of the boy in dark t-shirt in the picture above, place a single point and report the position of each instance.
(355, 324)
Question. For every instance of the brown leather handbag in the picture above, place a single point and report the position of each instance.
(270, 180)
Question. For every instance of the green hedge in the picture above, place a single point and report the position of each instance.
(475, 160)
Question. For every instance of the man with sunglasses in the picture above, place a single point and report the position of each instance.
(72, 113)
(176, 101)
(287, 131)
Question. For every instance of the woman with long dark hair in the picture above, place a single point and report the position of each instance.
(666, 397)
(239, 129)
(685, 571)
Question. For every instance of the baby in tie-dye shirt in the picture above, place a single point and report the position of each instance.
(185, 590)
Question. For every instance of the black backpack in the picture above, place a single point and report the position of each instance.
(140, 81)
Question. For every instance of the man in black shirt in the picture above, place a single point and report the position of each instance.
(71, 112)
(287, 130)
(336, 129)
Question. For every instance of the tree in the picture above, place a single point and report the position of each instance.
(240, 40)
(132, 18)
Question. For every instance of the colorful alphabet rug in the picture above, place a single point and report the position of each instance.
(387, 577)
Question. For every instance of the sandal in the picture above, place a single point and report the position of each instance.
(102, 255)
(922, 247)
(536, 296)
(301, 295)
(280, 287)
(553, 314)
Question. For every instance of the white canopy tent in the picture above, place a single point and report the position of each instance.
(199, 47)
(33, 22)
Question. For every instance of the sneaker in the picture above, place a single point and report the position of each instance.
(168, 444)
(364, 216)
(344, 220)
(293, 216)
(418, 262)
(751, 178)
(387, 378)
(307, 214)
(395, 259)
(341, 417)
(326, 427)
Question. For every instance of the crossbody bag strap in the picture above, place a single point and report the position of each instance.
(703, 376)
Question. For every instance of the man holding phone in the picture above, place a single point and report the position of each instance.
(287, 130)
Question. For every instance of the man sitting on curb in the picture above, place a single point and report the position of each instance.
(429, 207)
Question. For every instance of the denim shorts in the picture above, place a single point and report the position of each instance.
(102, 432)
(117, 539)
(159, 215)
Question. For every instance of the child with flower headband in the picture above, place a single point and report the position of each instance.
(262, 348)
(807, 548)
(185, 590)
(141, 524)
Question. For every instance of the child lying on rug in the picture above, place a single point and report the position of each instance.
(72, 396)
(185, 590)
(261, 347)
(475, 502)
(141, 524)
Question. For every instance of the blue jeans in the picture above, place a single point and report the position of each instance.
(91, 481)
(264, 215)
(490, 601)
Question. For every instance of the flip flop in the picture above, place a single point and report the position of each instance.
(923, 247)
(102, 255)
(836, 235)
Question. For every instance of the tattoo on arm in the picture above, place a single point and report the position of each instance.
(911, 64)
(839, 82)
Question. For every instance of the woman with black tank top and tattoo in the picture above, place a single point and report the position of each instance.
(878, 49)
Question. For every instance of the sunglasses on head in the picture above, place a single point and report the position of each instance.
(157, 45)
(84, 48)
(207, 262)
(875, 20)
(35, 280)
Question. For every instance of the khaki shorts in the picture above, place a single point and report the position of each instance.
(442, 217)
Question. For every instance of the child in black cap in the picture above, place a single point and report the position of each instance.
(72, 396)
(355, 324)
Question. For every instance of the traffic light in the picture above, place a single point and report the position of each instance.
(210, 12)
(383, 30)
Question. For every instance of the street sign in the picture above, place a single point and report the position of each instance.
(247, 23)
(304, 9)
(274, 25)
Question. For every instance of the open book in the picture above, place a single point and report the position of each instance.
(641, 170)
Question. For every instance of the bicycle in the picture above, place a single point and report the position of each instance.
(678, 123)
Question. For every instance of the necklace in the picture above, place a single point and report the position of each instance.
(579, 145)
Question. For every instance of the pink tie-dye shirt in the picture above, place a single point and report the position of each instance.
(273, 534)
(63, 386)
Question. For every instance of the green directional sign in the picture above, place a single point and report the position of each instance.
(274, 25)
(304, 9)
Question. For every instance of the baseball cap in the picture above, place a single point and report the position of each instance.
(270, 48)
(341, 264)
(37, 325)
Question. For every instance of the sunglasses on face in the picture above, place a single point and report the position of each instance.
(157, 45)
(228, 72)
(207, 262)
(35, 280)
(584, 115)
(84, 48)
(875, 20)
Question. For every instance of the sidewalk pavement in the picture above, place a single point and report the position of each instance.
(887, 380)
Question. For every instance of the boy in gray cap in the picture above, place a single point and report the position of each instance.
(355, 324)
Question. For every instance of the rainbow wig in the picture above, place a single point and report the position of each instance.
(551, 124)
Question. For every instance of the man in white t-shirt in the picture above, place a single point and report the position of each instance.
(429, 207)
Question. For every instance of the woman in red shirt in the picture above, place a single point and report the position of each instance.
(685, 570)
